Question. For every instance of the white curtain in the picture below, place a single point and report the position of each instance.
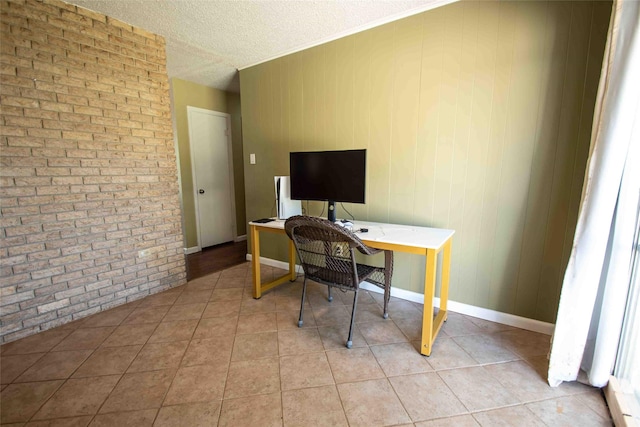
(596, 282)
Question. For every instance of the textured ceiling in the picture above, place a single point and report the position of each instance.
(209, 40)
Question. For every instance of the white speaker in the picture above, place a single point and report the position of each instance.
(285, 206)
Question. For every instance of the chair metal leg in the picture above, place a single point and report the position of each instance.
(304, 291)
(330, 298)
(388, 268)
(353, 318)
(385, 314)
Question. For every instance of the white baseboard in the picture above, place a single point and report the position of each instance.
(194, 249)
(191, 250)
(458, 307)
(275, 263)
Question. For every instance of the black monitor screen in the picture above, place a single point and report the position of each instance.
(337, 176)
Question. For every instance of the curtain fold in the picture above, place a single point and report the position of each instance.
(596, 281)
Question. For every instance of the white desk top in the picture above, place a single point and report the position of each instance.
(406, 235)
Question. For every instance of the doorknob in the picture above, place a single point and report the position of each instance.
(201, 191)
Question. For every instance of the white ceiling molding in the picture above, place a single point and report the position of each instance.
(427, 6)
(208, 41)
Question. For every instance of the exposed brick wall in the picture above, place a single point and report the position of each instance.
(88, 174)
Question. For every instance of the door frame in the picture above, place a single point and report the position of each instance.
(191, 109)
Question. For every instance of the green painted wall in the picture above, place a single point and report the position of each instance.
(233, 108)
(187, 93)
(476, 117)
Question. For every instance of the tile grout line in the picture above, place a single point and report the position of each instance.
(66, 380)
(133, 359)
(226, 380)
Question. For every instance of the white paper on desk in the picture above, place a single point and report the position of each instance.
(395, 233)
(422, 237)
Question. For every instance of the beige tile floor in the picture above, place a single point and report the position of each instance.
(208, 354)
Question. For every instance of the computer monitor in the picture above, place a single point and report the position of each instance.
(333, 176)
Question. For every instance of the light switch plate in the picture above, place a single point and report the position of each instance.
(252, 159)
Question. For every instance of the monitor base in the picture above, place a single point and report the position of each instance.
(331, 214)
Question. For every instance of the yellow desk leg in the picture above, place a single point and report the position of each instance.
(446, 269)
(429, 293)
(292, 261)
(255, 261)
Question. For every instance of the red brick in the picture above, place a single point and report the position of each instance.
(80, 136)
(74, 16)
(49, 68)
(66, 47)
(126, 92)
(30, 73)
(52, 189)
(91, 14)
(129, 108)
(81, 154)
(71, 29)
(32, 180)
(63, 162)
(87, 110)
(75, 118)
(22, 122)
(55, 147)
(44, 133)
(116, 115)
(14, 83)
(20, 102)
(105, 121)
(116, 23)
(101, 87)
(52, 171)
(56, 106)
(56, 124)
(88, 127)
(12, 131)
(66, 180)
(51, 7)
(21, 30)
(40, 114)
(70, 99)
(85, 73)
(8, 20)
(106, 28)
(18, 141)
(22, 230)
(31, 53)
(68, 81)
(51, 87)
(122, 59)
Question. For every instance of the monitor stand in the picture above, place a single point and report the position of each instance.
(331, 214)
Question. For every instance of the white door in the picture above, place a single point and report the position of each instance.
(210, 143)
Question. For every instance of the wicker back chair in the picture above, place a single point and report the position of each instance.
(327, 254)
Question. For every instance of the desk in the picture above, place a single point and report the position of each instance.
(402, 238)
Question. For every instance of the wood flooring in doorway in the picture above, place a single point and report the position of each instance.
(216, 258)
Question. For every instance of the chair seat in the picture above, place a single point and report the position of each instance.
(338, 278)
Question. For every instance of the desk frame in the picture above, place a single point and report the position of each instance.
(430, 325)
